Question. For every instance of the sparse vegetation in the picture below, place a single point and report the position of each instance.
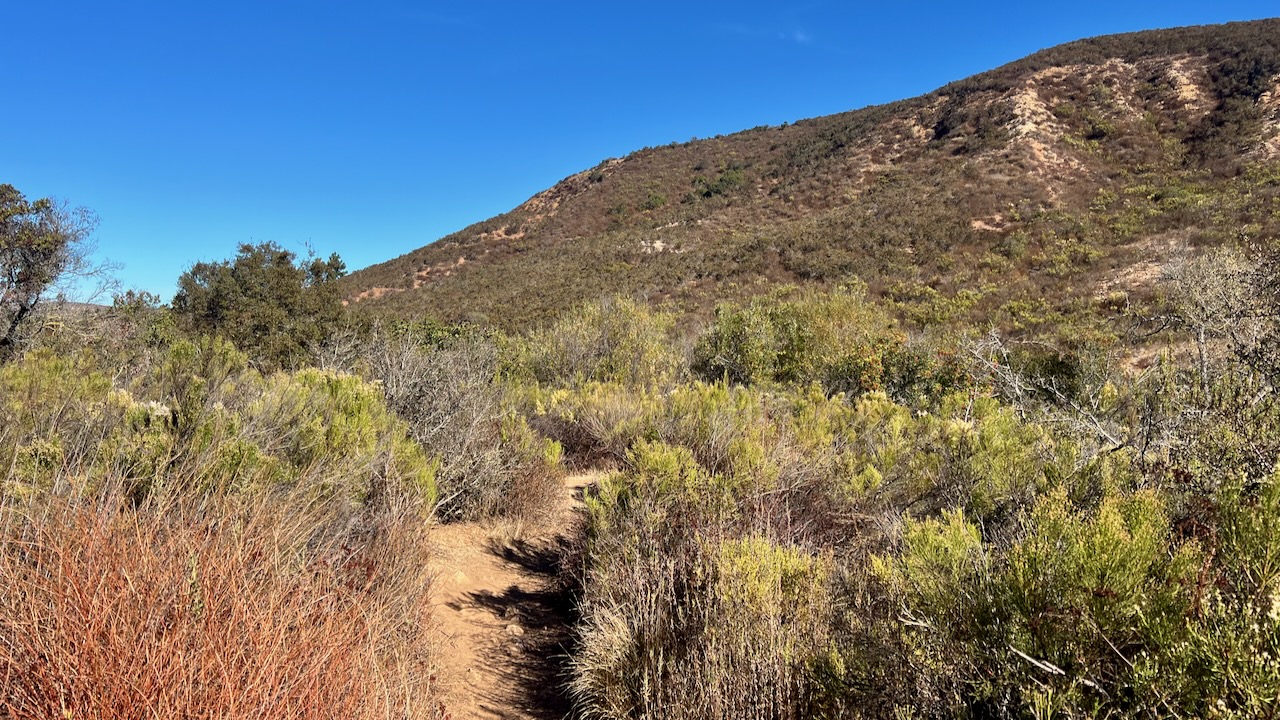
(446, 387)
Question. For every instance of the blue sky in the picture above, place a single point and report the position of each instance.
(373, 128)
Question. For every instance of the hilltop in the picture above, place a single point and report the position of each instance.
(1054, 185)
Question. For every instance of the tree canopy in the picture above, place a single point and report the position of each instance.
(266, 300)
(41, 242)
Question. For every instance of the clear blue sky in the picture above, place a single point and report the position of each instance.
(373, 128)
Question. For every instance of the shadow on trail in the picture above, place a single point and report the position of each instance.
(533, 660)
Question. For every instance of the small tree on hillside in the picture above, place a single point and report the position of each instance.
(266, 301)
(1210, 299)
(41, 243)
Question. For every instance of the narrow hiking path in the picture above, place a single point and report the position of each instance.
(503, 620)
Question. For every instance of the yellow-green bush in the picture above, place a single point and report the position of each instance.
(55, 412)
(615, 341)
(203, 419)
(687, 612)
(1228, 664)
(791, 336)
(314, 418)
(971, 453)
(1071, 617)
(986, 569)
(47, 396)
(597, 420)
(728, 428)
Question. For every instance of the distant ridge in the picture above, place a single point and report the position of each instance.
(1060, 181)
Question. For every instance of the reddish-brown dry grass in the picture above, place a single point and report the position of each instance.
(266, 608)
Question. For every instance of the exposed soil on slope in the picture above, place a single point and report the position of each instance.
(504, 618)
(1082, 151)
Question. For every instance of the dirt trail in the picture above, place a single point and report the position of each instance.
(505, 624)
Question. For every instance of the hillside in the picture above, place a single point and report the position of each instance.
(1050, 186)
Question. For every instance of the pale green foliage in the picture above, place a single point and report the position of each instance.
(327, 418)
(1079, 607)
(683, 617)
(600, 419)
(791, 336)
(971, 453)
(1228, 665)
(727, 428)
(1116, 571)
(938, 555)
(1024, 579)
(765, 587)
(202, 417)
(618, 341)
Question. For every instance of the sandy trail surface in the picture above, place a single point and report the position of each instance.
(504, 620)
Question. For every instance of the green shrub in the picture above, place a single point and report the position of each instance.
(1227, 664)
(202, 416)
(971, 454)
(728, 429)
(597, 421)
(266, 300)
(1073, 614)
(839, 340)
(790, 336)
(1120, 576)
(684, 615)
(619, 340)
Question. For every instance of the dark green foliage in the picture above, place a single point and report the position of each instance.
(265, 301)
(724, 183)
(41, 242)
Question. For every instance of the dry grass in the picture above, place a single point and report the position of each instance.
(453, 405)
(268, 607)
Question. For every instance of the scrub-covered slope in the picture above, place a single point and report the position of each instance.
(1040, 187)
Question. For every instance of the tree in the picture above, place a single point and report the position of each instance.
(266, 301)
(42, 244)
(1211, 297)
